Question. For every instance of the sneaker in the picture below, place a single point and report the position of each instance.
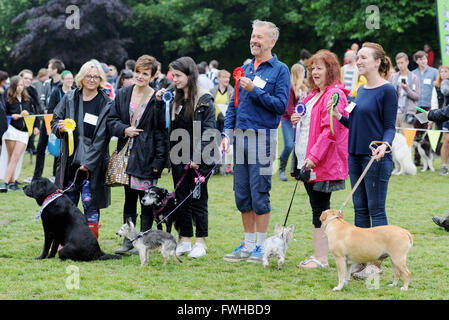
(28, 180)
(4, 187)
(13, 186)
(239, 254)
(198, 250)
(256, 255)
(183, 248)
(444, 171)
(52, 179)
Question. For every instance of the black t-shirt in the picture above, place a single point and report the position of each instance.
(91, 110)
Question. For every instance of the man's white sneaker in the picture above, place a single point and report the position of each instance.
(183, 248)
(198, 251)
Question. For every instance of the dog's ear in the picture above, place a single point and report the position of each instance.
(129, 221)
(277, 228)
(290, 230)
(323, 216)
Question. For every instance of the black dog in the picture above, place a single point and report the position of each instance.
(163, 203)
(64, 224)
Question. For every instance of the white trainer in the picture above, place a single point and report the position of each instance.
(183, 248)
(198, 250)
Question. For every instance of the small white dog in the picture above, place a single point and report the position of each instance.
(276, 246)
(402, 156)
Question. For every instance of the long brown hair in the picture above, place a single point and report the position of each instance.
(12, 90)
(187, 66)
(379, 53)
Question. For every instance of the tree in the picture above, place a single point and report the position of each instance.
(75, 34)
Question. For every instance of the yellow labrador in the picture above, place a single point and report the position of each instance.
(352, 245)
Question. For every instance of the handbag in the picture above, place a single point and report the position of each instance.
(54, 145)
(116, 173)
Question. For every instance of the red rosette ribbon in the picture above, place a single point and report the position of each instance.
(237, 74)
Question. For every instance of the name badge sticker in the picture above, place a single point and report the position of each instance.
(258, 82)
(427, 81)
(350, 107)
(90, 119)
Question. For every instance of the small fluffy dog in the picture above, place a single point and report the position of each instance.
(425, 151)
(150, 241)
(276, 246)
(402, 156)
(353, 245)
(163, 203)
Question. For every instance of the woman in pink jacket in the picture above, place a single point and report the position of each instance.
(321, 146)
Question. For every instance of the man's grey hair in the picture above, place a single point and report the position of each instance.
(271, 25)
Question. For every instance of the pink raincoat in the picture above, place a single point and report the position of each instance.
(328, 151)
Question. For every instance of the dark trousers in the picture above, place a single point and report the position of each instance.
(133, 196)
(192, 210)
(40, 153)
(319, 201)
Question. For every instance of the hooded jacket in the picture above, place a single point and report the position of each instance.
(328, 151)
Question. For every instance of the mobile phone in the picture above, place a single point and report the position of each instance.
(404, 81)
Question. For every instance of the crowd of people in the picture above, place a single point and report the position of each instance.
(328, 140)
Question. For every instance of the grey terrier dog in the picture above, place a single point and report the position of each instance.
(150, 241)
(276, 246)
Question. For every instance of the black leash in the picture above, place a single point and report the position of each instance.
(291, 202)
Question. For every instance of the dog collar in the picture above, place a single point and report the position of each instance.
(171, 195)
(52, 197)
(327, 222)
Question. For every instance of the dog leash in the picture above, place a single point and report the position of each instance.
(200, 181)
(291, 202)
(373, 145)
(58, 193)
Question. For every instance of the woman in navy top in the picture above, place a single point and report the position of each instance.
(372, 119)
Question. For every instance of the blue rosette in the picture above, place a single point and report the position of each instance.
(300, 108)
(167, 97)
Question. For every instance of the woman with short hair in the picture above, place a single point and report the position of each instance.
(148, 141)
(84, 169)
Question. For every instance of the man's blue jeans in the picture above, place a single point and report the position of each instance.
(369, 198)
(288, 135)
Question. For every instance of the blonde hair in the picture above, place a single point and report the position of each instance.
(223, 73)
(297, 77)
(85, 70)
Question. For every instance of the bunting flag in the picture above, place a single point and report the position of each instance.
(409, 136)
(47, 119)
(434, 136)
(29, 121)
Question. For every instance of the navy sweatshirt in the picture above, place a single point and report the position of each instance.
(373, 118)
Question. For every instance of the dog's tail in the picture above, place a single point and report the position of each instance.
(410, 238)
(106, 256)
(410, 168)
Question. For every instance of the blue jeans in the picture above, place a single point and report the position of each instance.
(369, 198)
(288, 135)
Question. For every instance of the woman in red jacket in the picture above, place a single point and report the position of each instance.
(322, 146)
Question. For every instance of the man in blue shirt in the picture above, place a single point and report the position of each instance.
(252, 126)
(427, 76)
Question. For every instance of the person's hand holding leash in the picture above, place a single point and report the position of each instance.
(379, 152)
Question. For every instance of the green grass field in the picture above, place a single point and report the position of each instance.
(411, 203)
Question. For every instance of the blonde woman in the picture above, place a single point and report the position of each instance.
(85, 168)
(298, 91)
(15, 140)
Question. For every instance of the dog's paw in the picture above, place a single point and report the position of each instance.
(337, 288)
(404, 289)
